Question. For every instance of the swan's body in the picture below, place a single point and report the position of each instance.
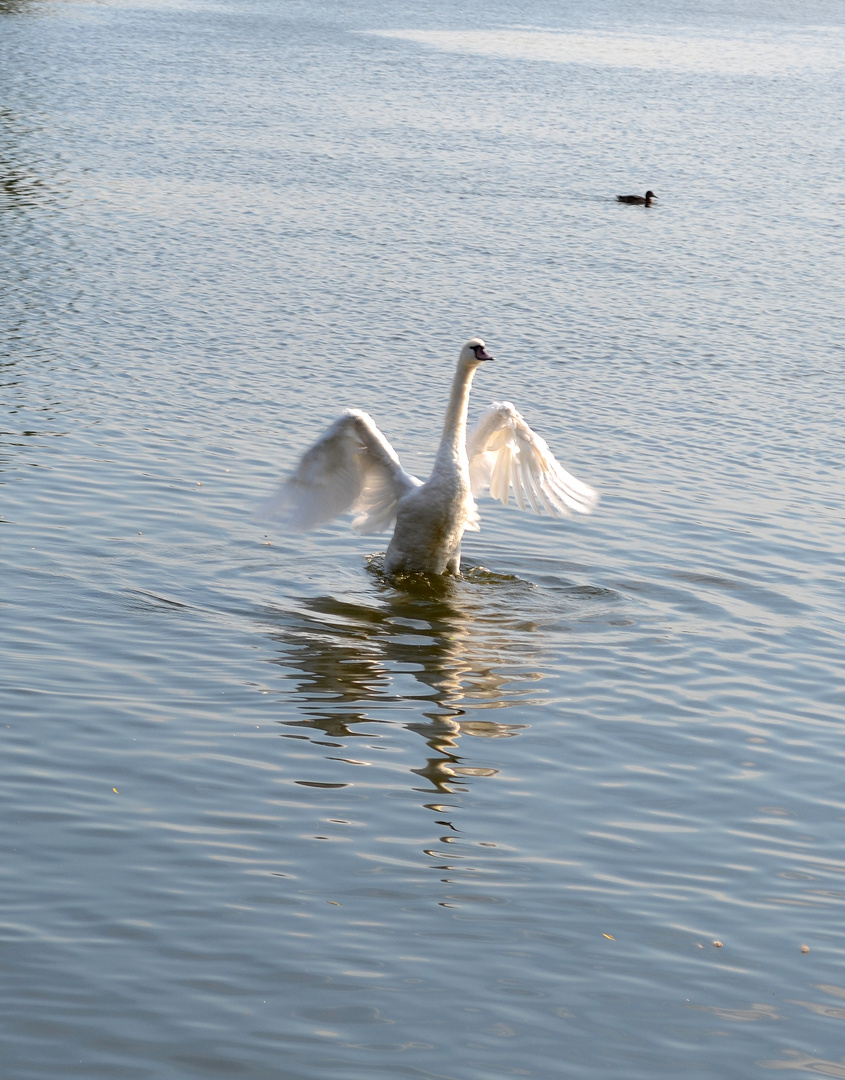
(637, 200)
(353, 467)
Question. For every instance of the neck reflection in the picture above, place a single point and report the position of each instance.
(435, 656)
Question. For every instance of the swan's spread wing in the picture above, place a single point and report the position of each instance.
(505, 454)
(351, 467)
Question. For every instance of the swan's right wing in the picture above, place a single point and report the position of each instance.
(506, 456)
(351, 467)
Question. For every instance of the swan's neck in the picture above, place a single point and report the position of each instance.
(453, 448)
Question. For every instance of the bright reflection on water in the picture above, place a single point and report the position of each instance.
(705, 53)
(356, 663)
(267, 815)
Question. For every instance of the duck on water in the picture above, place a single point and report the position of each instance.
(637, 200)
(353, 467)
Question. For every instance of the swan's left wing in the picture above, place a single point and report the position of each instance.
(506, 456)
(351, 466)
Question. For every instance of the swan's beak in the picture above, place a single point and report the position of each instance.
(482, 354)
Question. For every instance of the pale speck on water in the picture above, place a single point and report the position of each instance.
(577, 814)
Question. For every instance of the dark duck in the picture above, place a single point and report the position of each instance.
(638, 200)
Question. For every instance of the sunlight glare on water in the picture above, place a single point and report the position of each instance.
(761, 53)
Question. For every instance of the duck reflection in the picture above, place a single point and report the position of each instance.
(445, 651)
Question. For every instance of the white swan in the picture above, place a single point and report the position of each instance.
(353, 467)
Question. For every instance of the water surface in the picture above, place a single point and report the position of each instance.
(267, 815)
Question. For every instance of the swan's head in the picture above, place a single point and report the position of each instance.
(474, 353)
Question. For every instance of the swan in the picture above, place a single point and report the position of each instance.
(352, 466)
(637, 200)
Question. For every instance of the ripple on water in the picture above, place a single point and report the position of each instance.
(262, 805)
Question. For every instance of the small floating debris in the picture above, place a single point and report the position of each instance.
(718, 945)
(805, 949)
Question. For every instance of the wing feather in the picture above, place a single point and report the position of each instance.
(506, 456)
(351, 466)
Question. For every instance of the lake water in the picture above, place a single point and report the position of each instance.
(267, 816)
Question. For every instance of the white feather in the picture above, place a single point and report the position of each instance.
(351, 467)
(506, 456)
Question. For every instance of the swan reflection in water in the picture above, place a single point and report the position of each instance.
(446, 651)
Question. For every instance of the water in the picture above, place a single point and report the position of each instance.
(266, 815)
